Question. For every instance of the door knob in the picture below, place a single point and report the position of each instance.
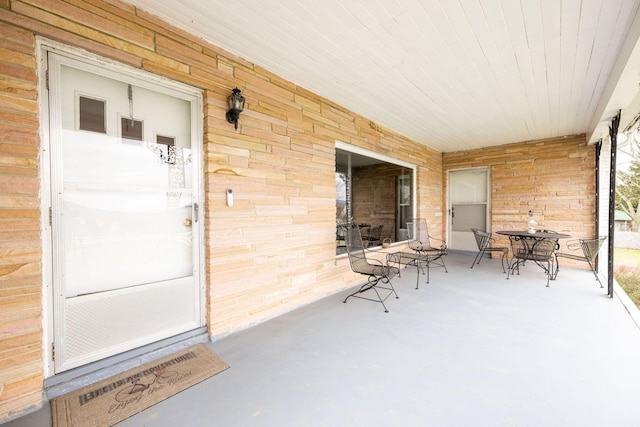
(186, 223)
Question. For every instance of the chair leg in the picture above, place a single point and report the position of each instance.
(381, 300)
(555, 273)
(512, 267)
(549, 271)
(436, 258)
(480, 254)
(372, 283)
(476, 260)
(595, 273)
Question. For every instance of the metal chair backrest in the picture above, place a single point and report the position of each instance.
(591, 247)
(416, 230)
(533, 249)
(418, 234)
(543, 249)
(482, 238)
(519, 247)
(356, 250)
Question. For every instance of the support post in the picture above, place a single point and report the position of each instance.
(613, 135)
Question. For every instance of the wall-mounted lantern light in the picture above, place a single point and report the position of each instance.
(236, 105)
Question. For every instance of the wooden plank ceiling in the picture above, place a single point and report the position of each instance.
(451, 74)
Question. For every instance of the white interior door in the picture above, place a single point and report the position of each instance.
(468, 207)
(124, 181)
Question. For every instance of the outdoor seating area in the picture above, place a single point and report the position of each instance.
(509, 353)
(536, 247)
(541, 248)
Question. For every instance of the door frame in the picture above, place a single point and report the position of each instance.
(109, 68)
(448, 195)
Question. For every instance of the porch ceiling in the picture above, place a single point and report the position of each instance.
(452, 75)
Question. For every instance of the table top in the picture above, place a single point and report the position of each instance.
(536, 235)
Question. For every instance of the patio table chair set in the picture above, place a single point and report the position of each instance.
(379, 275)
(541, 247)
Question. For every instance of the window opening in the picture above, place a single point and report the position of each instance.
(372, 193)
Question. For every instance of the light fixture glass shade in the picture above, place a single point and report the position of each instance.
(236, 101)
(236, 105)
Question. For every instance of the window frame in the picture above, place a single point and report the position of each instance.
(339, 145)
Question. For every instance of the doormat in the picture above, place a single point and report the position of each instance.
(121, 396)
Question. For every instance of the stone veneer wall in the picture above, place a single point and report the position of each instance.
(553, 177)
(273, 251)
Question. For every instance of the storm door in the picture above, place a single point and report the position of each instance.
(468, 207)
(124, 211)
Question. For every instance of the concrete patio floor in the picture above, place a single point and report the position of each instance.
(469, 349)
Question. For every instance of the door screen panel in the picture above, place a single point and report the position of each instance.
(466, 217)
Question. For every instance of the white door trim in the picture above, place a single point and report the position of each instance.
(449, 204)
(107, 68)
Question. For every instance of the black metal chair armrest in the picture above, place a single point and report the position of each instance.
(574, 245)
(570, 256)
(442, 245)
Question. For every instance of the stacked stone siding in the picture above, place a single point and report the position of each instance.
(555, 178)
(21, 287)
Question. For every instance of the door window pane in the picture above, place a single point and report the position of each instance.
(127, 201)
(469, 187)
(92, 115)
(167, 146)
(131, 129)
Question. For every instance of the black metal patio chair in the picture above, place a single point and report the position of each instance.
(378, 275)
(430, 249)
(590, 249)
(539, 250)
(485, 245)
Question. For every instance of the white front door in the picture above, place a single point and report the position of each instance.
(468, 207)
(124, 212)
